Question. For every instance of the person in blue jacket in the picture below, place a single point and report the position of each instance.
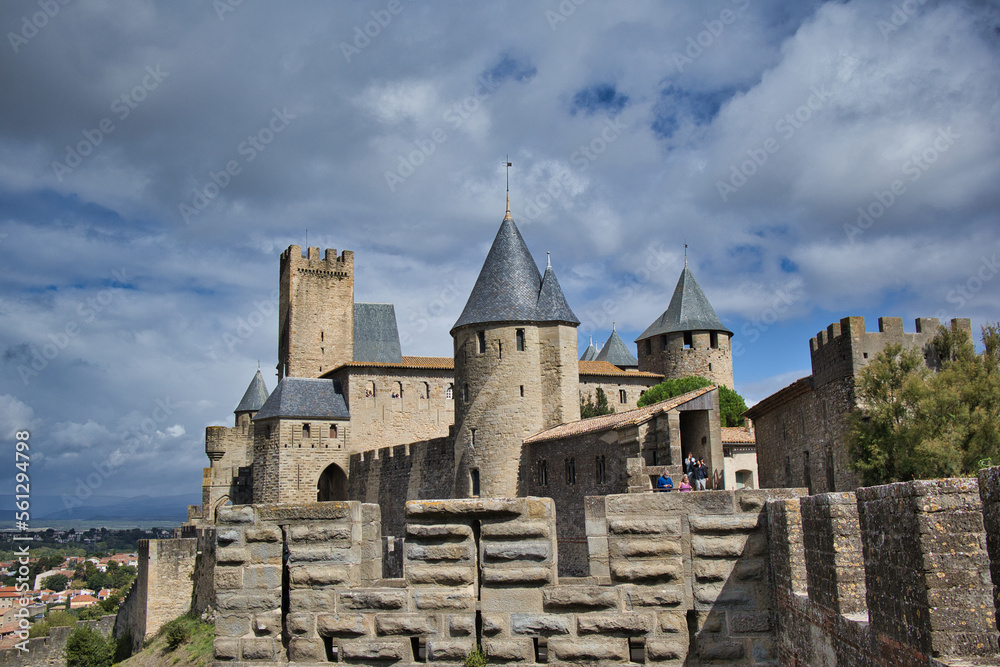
(664, 483)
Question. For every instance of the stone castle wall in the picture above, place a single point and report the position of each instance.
(422, 412)
(612, 386)
(896, 576)
(560, 368)
(680, 579)
(315, 312)
(666, 354)
(50, 651)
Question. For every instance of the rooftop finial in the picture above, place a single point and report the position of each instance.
(508, 165)
(685, 254)
(548, 259)
(613, 326)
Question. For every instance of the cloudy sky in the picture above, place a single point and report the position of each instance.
(819, 159)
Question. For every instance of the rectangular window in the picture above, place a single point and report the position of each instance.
(305, 431)
(714, 338)
(520, 340)
(571, 471)
(474, 481)
(688, 342)
(522, 390)
(602, 472)
(473, 432)
(465, 393)
(649, 346)
(622, 396)
(543, 473)
(481, 336)
(500, 349)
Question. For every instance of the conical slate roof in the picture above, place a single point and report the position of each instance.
(590, 354)
(615, 352)
(255, 395)
(510, 289)
(305, 398)
(689, 310)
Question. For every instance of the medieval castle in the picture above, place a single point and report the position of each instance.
(383, 509)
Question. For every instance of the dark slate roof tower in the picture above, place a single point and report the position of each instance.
(255, 396)
(615, 352)
(688, 338)
(590, 354)
(516, 368)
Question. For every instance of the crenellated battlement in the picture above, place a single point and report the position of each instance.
(845, 347)
(311, 260)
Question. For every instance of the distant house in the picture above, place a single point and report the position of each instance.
(84, 600)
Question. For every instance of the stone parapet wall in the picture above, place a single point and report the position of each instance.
(50, 651)
(925, 597)
(989, 493)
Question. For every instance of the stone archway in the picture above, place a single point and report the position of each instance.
(332, 484)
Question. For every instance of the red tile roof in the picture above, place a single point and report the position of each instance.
(616, 420)
(738, 435)
(608, 369)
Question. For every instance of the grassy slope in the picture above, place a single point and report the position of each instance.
(195, 652)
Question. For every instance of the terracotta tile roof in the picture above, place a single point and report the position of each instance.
(800, 386)
(609, 369)
(414, 363)
(616, 420)
(738, 435)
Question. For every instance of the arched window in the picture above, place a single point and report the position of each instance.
(427, 391)
(333, 430)
(332, 484)
(397, 389)
(306, 432)
(370, 389)
(449, 392)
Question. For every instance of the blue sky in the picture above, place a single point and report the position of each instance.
(820, 160)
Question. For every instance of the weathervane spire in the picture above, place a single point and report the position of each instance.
(685, 254)
(548, 259)
(507, 165)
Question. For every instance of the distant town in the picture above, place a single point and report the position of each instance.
(67, 575)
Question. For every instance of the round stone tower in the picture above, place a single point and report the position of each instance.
(516, 369)
(688, 338)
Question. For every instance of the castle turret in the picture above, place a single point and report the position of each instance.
(590, 354)
(251, 402)
(615, 352)
(315, 312)
(516, 369)
(688, 338)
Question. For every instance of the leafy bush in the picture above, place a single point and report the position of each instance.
(176, 632)
(731, 404)
(88, 648)
(60, 619)
(40, 629)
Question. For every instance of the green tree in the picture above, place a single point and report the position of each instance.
(596, 408)
(914, 424)
(55, 582)
(731, 404)
(86, 647)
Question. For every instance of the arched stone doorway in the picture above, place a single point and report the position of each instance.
(332, 484)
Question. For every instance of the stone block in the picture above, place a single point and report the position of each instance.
(406, 624)
(462, 625)
(228, 536)
(228, 577)
(262, 576)
(439, 552)
(445, 531)
(372, 600)
(673, 622)
(710, 546)
(319, 575)
(348, 509)
(517, 551)
(234, 515)
(226, 649)
(508, 650)
(336, 535)
(341, 625)
(257, 601)
(494, 624)
(436, 600)
(265, 553)
(362, 650)
(258, 649)
(231, 625)
(724, 524)
(449, 650)
(267, 624)
(581, 597)
(301, 623)
(651, 571)
(263, 534)
(301, 649)
(233, 555)
(764, 651)
(721, 595)
(589, 650)
(517, 575)
(618, 624)
(712, 570)
(656, 526)
(645, 548)
(323, 553)
(439, 575)
(311, 600)
(719, 649)
(660, 596)
(541, 625)
(516, 529)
